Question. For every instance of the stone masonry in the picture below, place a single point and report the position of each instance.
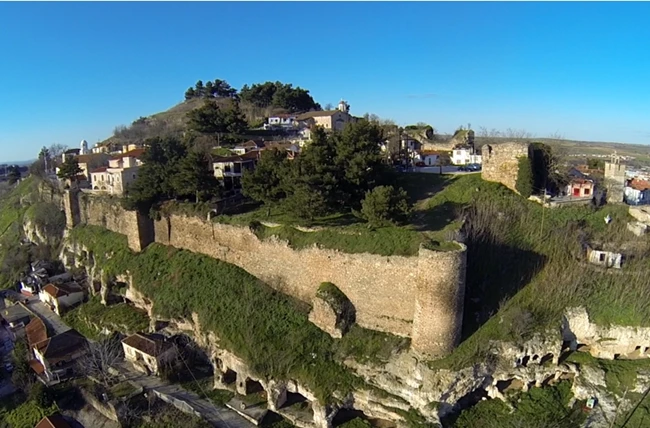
(419, 297)
(501, 162)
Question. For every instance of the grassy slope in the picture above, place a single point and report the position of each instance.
(265, 328)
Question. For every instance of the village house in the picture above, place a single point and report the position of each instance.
(465, 155)
(331, 120)
(229, 170)
(53, 421)
(248, 146)
(35, 331)
(61, 297)
(580, 188)
(637, 192)
(55, 357)
(121, 171)
(430, 158)
(16, 317)
(292, 149)
(281, 120)
(148, 352)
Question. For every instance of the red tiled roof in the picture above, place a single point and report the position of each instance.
(36, 366)
(53, 421)
(581, 181)
(136, 153)
(100, 169)
(252, 155)
(61, 290)
(35, 331)
(150, 344)
(430, 152)
(639, 184)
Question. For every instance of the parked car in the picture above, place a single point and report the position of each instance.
(419, 164)
(463, 168)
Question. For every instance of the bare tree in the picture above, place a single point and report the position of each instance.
(100, 356)
(517, 134)
(56, 150)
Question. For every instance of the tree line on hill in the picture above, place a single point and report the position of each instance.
(269, 94)
(335, 173)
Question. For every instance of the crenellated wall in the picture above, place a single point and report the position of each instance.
(420, 296)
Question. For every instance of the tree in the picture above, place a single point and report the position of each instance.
(99, 357)
(359, 161)
(190, 94)
(443, 160)
(525, 179)
(266, 182)
(13, 174)
(154, 182)
(593, 163)
(22, 376)
(199, 89)
(210, 119)
(384, 206)
(277, 94)
(209, 89)
(312, 183)
(195, 177)
(42, 395)
(70, 170)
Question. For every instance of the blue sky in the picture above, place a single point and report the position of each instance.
(73, 71)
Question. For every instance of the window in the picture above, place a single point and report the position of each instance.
(587, 191)
(227, 168)
(601, 257)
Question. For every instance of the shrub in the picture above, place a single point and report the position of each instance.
(41, 395)
(385, 206)
(525, 179)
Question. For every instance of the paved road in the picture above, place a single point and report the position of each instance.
(52, 321)
(217, 416)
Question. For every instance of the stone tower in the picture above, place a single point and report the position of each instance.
(344, 106)
(84, 147)
(614, 179)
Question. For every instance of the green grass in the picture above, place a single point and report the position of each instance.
(204, 389)
(260, 325)
(539, 407)
(369, 346)
(122, 390)
(385, 241)
(91, 316)
(27, 415)
(620, 375)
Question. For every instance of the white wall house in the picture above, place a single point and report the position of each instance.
(148, 352)
(61, 297)
(430, 158)
(229, 170)
(282, 120)
(465, 156)
(121, 171)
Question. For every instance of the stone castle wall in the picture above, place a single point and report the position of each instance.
(501, 162)
(420, 297)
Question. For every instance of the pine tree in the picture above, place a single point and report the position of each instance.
(69, 170)
(190, 94)
(195, 177)
(266, 182)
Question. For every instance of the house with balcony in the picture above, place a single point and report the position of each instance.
(55, 357)
(121, 171)
(229, 170)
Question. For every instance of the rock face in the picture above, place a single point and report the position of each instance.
(606, 342)
(332, 311)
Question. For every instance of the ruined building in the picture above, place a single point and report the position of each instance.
(501, 162)
(615, 179)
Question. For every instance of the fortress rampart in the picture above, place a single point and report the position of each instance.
(420, 296)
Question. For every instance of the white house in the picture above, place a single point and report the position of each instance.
(465, 156)
(246, 147)
(121, 171)
(637, 192)
(281, 120)
(331, 120)
(430, 158)
(148, 352)
(61, 297)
